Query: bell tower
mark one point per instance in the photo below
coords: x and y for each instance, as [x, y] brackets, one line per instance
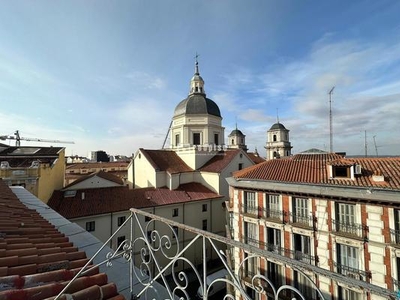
[278, 143]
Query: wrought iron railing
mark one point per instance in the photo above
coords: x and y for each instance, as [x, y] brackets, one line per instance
[395, 284]
[301, 219]
[353, 229]
[160, 257]
[293, 254]
[273, 214]
[250, 209]
[352, 272]
[395, 236]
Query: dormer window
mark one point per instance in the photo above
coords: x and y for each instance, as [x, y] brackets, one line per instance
[341, 171]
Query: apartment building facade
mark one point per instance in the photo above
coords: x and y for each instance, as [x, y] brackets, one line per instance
[338, 216]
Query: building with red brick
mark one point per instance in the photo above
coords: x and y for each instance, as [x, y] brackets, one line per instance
[338, 216]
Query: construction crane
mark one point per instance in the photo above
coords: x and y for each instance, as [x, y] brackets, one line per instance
[18, 139]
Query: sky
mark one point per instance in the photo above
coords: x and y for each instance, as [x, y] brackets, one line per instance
[109, 74]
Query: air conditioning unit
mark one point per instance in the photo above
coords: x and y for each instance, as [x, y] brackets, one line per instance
[357, 169]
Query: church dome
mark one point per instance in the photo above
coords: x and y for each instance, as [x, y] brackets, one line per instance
[197, 104]
[277, 126]
[236, 132]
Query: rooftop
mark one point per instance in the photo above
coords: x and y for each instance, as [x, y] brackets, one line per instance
[313, 169]
[166, 160]
[37, 260]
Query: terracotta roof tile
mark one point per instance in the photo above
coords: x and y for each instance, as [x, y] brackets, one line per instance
[220, 161]
[102, 174]
[114, 199]
[255, 157]
[313, 169]
[166, 160]
[37, 261]
[98, 165]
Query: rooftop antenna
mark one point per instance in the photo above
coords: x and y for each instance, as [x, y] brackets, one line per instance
[365, 143]
[376, 147]
[330, 121]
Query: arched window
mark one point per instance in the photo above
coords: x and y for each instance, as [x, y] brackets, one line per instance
[274, 138]
[233, 141]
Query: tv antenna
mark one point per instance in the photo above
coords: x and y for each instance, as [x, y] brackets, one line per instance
[330, 121]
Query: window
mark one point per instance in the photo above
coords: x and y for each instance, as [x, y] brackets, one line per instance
[345, 219]
[250, 233]
[205, 225]
[339, 171]
[149, 235]
[196, 138]
[204, 207]
[240, 166]
[274, 138]
[177, 142]
[232, 142]
[274, 239]
[346, 294]
[274, 273]
[120, 240]
[176, 231]
[300, 211]
[302, 250]
[90, 226]
[347, 258]
[121, 220]
[250, 266]
[395, 233]
[303, 285]
[216, 139]
[175, 212]
[273, 206]
[250, 206]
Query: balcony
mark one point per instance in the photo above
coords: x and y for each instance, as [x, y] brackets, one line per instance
[395, 284]
[250, 210]
[350, 229]
[302, 220]
[395, 236]
[352, 272]
[162, 256]
[273, 215]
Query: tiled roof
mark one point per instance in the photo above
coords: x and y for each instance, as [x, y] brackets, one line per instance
[95, 165]
[105, 175]
[37, 261]
[255, 157]
[220, 161]
[115, 199]
[166, 160]
[313, 168]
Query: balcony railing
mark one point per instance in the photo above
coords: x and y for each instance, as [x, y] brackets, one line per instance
[352, 229]
[352, 272]
[153, 259]
[273, 214]
[302, 220]
[395, 284]
[395, 236]
[250, 209]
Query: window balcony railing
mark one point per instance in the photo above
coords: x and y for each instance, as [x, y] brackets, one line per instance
[395, 236]
[352, 229]
[302, 220]
[251, 241]
[352, 272]
[273, 214]
[250, 209]
[162, 265]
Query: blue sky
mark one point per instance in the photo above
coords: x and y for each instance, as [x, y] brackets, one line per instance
[108, 74]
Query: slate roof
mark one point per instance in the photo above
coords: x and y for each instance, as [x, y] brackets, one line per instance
[277, 126]
[313, 169]
[220, 161]
[166, 160]
[197, 104]
[37, 261]
[115, 199]
[105, 175]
